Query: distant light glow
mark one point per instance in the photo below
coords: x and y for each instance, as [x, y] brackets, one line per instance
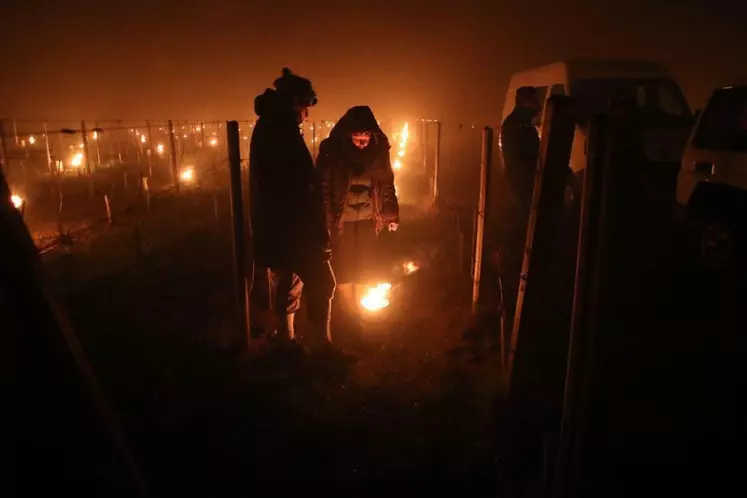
[32, 139]
[213, 142]
[397, 164]
[143, 139]
[159, 148]
[17, 201]
[187, 175]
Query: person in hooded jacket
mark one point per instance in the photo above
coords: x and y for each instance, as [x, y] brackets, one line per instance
[290, 236]
[358, 193]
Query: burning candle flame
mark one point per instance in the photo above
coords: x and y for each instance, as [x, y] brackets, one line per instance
[377, 298]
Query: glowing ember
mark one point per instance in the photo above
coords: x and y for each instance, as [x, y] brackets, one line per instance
[17, 201]
[77, 160]
[187, 175]
[410, 267]
[377, 298]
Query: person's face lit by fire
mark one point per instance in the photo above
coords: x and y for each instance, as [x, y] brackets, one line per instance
[361, 139]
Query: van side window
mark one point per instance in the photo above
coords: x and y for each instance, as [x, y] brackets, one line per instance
[557, 89]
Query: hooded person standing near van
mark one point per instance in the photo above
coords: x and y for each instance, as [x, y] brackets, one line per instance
[358, 192]
[520, 146]
[290, 234]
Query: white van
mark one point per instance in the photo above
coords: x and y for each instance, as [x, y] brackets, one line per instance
[712, 183]
[593, 83]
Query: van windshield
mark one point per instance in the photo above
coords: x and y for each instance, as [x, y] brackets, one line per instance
[723, 125]
[655, 97]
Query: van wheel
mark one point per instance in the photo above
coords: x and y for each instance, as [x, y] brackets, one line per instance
[718, 246]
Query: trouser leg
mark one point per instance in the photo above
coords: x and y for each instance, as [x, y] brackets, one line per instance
[319, 281]
[288, 288]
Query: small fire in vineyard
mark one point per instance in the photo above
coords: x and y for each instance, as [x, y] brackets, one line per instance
[377, 297]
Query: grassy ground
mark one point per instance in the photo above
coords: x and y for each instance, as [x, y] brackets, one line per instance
[204, 421]
[154, 309]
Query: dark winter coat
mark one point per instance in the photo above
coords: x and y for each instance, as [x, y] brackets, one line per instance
[286, 206]
[339, 161]
[520, 147]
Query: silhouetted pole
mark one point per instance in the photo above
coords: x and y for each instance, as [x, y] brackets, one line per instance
[172, 153]
[51, 334]
[241, 274]
[486, 166]
[313, 139]
[48, 148]
[424, 143]
[87, 158]
[151, 150]
[4, 151]
[97, 138]
[437, 163]
[584, 321]
[84, 136]
[540, 256]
